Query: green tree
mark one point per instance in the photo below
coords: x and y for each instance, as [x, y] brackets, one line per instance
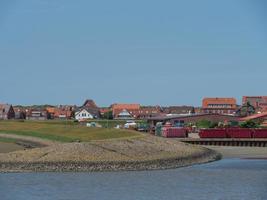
[108, 115]
[203, 124]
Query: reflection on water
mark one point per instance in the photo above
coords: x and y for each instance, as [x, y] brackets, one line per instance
[226, 179]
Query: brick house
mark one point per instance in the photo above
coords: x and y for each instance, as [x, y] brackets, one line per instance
[119, 111]
[258, 102]
[6, 111]
[89, 110]
[219, 105]
[36, 114]
[149, 111]
[61, 112]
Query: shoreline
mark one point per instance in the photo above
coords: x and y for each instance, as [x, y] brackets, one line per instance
[240, 152]
[108, 166]
[136, 154]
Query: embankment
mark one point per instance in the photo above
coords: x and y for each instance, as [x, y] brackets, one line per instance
[144, 153]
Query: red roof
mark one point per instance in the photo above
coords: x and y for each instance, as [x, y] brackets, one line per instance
[256, 116]
[126, 106]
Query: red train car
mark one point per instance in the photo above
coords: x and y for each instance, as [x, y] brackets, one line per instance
[260, 133]
[212, 133]
[239, 133]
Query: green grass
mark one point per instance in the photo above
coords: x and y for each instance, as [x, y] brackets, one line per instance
[63, 131]
[112, 123]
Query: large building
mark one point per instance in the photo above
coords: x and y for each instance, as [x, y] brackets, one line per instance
[219, 105]
[258, 102]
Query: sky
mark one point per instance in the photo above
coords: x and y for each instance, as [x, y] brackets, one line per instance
[171, 52]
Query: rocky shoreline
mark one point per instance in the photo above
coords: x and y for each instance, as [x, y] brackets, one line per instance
[148, 153]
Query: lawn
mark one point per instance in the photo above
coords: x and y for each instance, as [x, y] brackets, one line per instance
[64, 131]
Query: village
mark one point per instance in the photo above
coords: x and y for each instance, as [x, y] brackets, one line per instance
[214, 113]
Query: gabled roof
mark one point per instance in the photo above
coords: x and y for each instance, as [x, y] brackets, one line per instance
[94, 112]
[90, 103]
[124, 113]
[5, 107]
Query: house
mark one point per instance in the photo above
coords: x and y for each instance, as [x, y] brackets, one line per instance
[219, 105]
[20, 113]
[6, 111]
[181, 110]
[37, 114]
[149, 111]
[89, 103]
[119, 111]
[86, 113]
[60, 112]
[258, 102]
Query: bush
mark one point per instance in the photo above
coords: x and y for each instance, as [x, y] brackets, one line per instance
[203, 124]
[249, 124]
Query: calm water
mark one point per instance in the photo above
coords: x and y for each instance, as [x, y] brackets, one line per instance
[227, 179]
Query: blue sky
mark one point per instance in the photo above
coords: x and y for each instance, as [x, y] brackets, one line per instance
[151, 52]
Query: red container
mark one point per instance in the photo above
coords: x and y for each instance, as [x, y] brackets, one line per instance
[170, 132]
[260, 133]
[212, 133]
[239, 132]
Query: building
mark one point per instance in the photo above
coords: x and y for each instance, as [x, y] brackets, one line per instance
[61, 112]
[219, 105]
[89, 103]
[6, 111]
[258, 102]
[37, 114]
[85, 113]
[149, 111]
[192, 118]
[181, 110]
[20, 112]
[119, 111]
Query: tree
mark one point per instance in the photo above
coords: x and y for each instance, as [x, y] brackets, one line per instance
[108, 115]
[203, 124]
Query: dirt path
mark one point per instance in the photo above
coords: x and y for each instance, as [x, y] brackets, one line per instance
[36, 141]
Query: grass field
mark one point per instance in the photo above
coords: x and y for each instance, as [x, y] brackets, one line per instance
[63, 131]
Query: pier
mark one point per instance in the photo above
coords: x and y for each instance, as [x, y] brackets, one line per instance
[248, 142]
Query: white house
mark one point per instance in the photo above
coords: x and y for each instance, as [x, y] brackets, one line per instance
[83, 115]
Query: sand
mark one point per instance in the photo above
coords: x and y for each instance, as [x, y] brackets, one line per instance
[6, 147]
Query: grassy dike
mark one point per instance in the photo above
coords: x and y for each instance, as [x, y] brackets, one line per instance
[62, 131]
[97, 150]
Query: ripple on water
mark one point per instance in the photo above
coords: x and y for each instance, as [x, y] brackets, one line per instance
[225, 179]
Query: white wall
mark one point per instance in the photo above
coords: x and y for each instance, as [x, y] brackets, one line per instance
[83, 115]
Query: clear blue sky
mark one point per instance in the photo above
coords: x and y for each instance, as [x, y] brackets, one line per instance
[151, 52]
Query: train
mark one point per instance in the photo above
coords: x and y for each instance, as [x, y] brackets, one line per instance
[233, 133]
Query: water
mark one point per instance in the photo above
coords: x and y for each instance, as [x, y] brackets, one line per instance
[226, 179]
